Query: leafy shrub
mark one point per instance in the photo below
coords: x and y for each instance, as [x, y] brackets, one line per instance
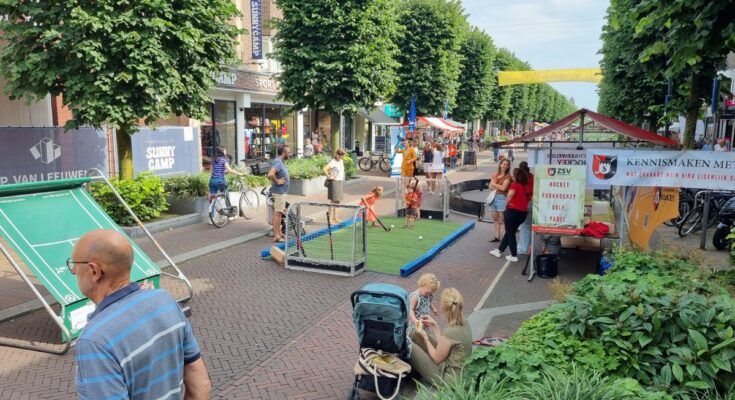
[350, 167]
[731, 238]
[655, 317]
[187, 186]
[550, 384]
[145, 195]
[309, 168]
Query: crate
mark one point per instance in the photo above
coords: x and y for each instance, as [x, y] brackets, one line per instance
[260, 168]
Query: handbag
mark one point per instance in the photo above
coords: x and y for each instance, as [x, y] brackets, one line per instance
[491, 197]
[327, 182]
[418, 165]
[383, 365]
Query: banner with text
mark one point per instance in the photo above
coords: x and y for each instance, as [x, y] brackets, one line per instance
[563, 156]
[690, 169]
[558, 201]
[256, 29]
[44, 154]
[646, 208]
[166, 151]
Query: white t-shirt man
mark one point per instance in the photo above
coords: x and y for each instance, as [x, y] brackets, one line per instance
[720, 147]
[336, 169]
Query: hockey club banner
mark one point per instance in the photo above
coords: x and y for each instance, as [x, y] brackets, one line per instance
[690, 169]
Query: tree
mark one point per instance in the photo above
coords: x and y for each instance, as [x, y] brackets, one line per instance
[500, 101]
[476, 79]
[337, 56]
[429, 54]
[117, 62]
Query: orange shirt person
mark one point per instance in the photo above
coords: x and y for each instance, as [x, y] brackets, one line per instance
[369, 202]
[409, 156]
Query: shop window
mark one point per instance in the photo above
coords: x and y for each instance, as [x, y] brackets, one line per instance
[267, 126]
[225, 130]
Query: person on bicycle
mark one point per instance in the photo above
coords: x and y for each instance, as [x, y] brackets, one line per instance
[220, 167]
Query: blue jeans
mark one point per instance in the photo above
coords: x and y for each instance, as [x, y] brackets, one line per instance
[217, 184]
[525, 232]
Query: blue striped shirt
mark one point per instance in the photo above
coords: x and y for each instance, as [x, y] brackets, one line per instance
[135, 346]
[218, 167]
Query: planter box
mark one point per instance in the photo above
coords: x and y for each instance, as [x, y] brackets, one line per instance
[305, 187]
[182, 206]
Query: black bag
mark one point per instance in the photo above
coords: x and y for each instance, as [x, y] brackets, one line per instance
[327, 182]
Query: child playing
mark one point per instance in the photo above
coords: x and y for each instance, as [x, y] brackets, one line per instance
[421, 302]
[411, 207]
[419, 198]
[369, 203]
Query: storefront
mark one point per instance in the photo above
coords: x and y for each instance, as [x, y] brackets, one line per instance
[248, 121]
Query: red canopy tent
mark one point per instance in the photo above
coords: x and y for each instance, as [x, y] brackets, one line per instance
[436, 122]
[613, 124]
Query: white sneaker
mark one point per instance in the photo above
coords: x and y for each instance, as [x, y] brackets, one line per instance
[496, 253]
[511, 258]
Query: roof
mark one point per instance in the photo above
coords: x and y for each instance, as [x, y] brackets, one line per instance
[436, 122]
[378, 117]
[613, 124]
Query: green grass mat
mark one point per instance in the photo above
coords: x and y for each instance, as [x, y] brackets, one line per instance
[388, 252]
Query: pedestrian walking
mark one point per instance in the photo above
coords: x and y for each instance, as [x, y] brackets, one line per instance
[278, 175]
[335, 172]
[137, 344]
[515, 214]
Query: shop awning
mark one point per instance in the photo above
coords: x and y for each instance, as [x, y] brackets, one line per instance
[436, 122]
[613, 124]
[378, 117]
[455, 124]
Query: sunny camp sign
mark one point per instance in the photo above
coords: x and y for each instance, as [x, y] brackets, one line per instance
[558, 201]
[691, 169]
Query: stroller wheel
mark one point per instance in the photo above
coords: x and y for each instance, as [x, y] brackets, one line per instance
[354, 394]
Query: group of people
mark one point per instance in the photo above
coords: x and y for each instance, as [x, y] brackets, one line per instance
[511, 208]
[721, 145]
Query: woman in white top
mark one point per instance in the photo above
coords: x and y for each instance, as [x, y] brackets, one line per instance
[437, 167]
[335, 172]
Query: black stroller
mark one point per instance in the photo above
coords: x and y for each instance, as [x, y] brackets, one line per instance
[380, 314]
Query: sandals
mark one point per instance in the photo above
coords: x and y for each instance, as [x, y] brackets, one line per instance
[493, 240]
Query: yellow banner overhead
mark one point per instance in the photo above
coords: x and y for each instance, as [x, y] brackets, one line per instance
[506, 78]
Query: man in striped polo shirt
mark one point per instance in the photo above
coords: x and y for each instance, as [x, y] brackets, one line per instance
[137, 343]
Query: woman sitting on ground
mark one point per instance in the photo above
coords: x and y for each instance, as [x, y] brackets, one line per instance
[436, 358]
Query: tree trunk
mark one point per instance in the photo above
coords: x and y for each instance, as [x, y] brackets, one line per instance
[124, 154]
[693, 105]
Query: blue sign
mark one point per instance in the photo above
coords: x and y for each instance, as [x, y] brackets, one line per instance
[167, 151]
[256, 28]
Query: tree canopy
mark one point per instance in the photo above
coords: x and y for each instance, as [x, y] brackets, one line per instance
[337, 56]
[117, 62]
[430, 54]
[476, 79]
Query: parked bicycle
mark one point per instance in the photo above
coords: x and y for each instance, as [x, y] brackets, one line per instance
[692, 222]
[686, 203]
[221, 211]
[367, 163]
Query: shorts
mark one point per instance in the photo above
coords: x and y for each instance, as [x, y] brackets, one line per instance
[411, 212]
[335, 191]
[217, 185]
[279, 202]
[498, 204]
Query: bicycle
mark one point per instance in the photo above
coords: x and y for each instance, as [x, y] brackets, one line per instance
[367, 163]
[686, 203]
[221, 210]
[692, 222]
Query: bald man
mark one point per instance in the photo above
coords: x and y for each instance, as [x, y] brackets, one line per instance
[721, 145]
[137, 344]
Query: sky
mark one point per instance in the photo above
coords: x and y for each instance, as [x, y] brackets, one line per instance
[548, 34]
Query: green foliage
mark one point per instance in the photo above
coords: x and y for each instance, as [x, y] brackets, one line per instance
[476, 80]
[429, 54]
[350, 167]
[655, 317]
[116, 62]
[145, 195]
[551, 383]
[337, 55]
[187, 186]
[306, 168]
[731, 238]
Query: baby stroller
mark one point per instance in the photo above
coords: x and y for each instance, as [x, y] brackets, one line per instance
[269, 215]
[380, 314]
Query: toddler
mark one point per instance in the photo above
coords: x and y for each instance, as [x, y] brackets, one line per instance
[421, 302]
[411, 207]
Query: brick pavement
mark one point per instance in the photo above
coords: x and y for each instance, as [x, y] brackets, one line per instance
[265, 332]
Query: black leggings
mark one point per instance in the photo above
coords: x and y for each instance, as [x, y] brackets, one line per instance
[513, 219]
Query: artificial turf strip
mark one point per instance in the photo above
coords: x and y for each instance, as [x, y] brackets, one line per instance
[388, 252]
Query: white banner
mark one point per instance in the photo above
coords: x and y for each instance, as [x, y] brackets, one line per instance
[690, 169]
[568, 156]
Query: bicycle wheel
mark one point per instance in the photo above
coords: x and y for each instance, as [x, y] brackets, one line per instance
[691, 223]
[384, 164]
[365, 163]
[218, 211]
[249, 203]
[684, 208]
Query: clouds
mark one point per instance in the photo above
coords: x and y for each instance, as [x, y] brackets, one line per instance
[548, 34]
